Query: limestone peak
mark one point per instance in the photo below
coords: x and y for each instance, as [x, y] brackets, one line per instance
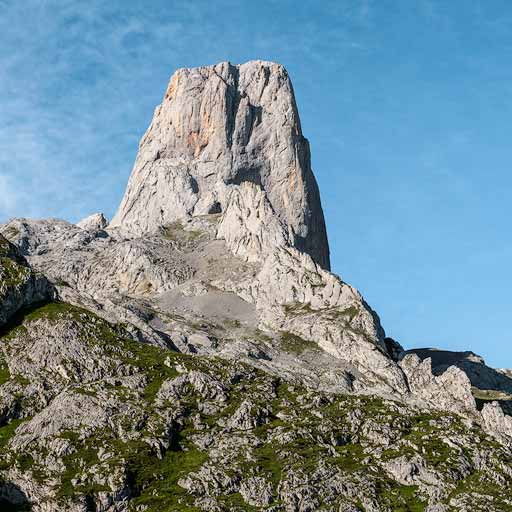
[216, 128]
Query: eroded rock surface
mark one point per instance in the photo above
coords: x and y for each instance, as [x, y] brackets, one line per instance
[95, 222]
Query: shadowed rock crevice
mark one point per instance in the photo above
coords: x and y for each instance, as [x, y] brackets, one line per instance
[246, 174]
[20, 286]
[17, 318]
[232, 98]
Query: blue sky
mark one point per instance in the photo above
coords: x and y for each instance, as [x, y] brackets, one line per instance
[407, 105]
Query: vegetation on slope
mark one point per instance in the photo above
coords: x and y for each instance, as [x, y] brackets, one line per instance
[177, 432]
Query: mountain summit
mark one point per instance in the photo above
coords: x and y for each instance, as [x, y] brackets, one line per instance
[217, 129]
[196, 354]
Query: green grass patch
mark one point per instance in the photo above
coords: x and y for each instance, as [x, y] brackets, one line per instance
[350, 457]
[12, 274]
[7, 431]
[176, 232]
[156, 480]
[236, 502]
[151, 360]
[295, 344]
[268, 460]
[347, 314]
[480, 482]
[490, 394]
[4, 373]
[400, 498]
[298, 308]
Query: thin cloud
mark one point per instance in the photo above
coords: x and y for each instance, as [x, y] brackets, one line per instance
[79, 84]
[9, 196]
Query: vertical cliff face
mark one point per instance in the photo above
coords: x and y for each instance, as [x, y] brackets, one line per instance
[217, 128]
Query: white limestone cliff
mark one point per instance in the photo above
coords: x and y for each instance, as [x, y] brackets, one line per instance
[222, 222]
[217, 128]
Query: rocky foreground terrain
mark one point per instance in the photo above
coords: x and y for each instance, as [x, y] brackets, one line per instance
[196, 353]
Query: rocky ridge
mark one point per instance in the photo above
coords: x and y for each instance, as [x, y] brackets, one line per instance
[197, 354]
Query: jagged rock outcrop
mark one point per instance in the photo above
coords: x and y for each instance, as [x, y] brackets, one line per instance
[450, 391]
[217, 128]
[249, 224]
[94, 222]
[481, 376]
[496, 422]
[184, 271]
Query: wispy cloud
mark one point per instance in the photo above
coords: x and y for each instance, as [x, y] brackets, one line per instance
[9, 195]
[73, 84]
[79, 83]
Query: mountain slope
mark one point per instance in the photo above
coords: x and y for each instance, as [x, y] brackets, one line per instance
[197, 354]
[106, 423]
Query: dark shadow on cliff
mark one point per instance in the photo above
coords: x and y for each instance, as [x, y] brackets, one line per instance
[13, 499]
[17, 319]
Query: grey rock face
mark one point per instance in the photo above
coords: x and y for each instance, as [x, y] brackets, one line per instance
[413, 471]
[20, 286]
[480, 375]
[496, 422]
[249, 224]
[185, 271]
[217, 128]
